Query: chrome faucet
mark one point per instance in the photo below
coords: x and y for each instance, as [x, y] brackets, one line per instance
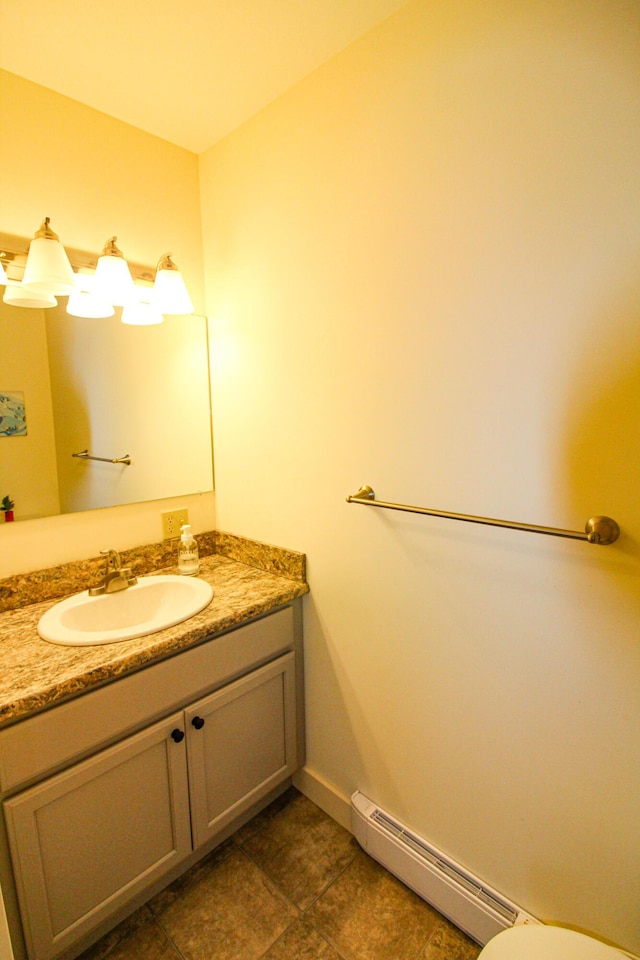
[116, 576]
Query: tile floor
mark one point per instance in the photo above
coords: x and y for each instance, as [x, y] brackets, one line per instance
[290, 885]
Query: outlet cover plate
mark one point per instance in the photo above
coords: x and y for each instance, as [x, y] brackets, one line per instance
[172, 520]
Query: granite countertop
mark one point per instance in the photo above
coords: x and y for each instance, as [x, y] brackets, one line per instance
[37, 674]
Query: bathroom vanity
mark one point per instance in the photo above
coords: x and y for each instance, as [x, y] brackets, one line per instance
[147, 754]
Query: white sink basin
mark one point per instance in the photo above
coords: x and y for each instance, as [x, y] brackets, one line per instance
[152, 604]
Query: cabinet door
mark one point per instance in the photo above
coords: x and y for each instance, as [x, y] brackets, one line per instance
[87, 840]
[241, 744]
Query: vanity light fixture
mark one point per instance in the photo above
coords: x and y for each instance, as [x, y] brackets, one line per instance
[169, 291]
[36, 272]
[48, 268]
[114, 282]
[20, 295]
[141, 314]
[141, 310]
[84, 302]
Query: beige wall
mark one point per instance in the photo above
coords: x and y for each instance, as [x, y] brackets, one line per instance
[95, 176]
[423, 269]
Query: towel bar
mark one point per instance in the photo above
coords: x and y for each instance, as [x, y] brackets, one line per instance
[600, 530]
[85, 455]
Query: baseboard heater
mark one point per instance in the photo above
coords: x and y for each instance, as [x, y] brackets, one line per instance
[468, 902]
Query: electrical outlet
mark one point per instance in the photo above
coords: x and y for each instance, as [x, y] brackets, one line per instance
[172, 520]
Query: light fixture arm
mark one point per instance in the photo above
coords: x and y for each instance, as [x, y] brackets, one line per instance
[45, 232]
[166, 263]
[110, 249]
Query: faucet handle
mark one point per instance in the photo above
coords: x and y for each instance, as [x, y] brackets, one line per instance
[127, 574]
[113, 559]
[116, 576]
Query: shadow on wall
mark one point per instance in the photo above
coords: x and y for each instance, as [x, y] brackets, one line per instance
[339, 714]
[602, 437]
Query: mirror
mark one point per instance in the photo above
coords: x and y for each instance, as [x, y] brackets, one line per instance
[112, 390]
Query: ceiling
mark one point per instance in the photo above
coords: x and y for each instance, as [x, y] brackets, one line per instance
[189, 71]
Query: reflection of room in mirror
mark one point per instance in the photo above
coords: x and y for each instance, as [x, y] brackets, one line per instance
[107, 387]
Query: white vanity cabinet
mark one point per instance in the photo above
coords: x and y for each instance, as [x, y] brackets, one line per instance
[134, 804]
[83, 840]
[241, 742]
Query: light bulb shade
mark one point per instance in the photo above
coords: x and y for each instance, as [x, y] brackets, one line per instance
[86, 279]
[170, 293]
[3, 275]
[83, 303]
[113, 280]
[48, 268]
[19, 295]
[139, 313]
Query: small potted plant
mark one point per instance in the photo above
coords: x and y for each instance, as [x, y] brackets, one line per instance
[7, 506]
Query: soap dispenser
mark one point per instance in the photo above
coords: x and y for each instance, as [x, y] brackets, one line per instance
[188, 560]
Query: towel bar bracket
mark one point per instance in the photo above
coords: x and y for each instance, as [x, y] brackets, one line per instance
[599, 530]
[602, 530]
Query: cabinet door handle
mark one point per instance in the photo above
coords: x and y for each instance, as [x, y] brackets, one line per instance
[177, 735]
[198, 723]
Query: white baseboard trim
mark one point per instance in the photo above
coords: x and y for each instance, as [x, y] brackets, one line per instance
[338, 806]
[325, 795]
